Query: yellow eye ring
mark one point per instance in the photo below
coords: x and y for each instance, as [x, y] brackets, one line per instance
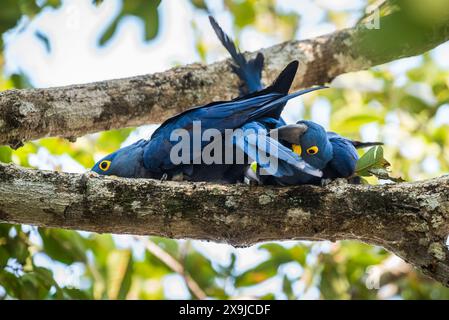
[104, 165]
[312, 150]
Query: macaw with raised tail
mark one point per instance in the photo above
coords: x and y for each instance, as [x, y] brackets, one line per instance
[153, 158]
[257, 144]
[335, 155]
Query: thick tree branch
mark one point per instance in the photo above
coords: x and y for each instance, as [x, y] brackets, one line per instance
[73, 111]
[409, 219]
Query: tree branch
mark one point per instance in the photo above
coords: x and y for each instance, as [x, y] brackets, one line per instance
[409, 219]
[73, 111]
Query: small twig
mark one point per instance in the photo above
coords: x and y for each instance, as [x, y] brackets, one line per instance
[173, 264]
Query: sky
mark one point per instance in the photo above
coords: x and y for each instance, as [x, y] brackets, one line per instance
[75, 58]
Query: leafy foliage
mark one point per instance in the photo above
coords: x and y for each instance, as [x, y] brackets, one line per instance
[373, 163]
[145, 10]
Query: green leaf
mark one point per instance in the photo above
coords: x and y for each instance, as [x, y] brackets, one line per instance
[361, 119]
[372, 159]
[5, 154]
[53, 3]
[29, 7]
[283, 254]
[109, 141]
[146, 10]
[100, 245]
[267, 269]
[4, 257]
[45, 277]
[201, 270]
[373, 163]
[20, 80]
[36, 284]
[119, 274]
[97, 2]
[63, 246]
[287, 288]
[168, 245]
[268, 296]
[22, 153]
[148, 269]
[243, 11]
[10, 283]
[9, 16]
[76, 294]
[18, 247]
[258, 274]
[200, 4]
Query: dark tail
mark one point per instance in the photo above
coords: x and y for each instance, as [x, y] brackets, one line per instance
[282, 85]
[285, 79]
[274, 108]
[250, 72]
[359, 144]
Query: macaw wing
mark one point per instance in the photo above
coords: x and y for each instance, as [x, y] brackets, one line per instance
[241, 107]
[218, 115]
[274, 158]
[344, 159]
[228, 115]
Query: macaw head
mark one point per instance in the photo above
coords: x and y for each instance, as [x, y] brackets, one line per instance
[125, 162]
[307, 139]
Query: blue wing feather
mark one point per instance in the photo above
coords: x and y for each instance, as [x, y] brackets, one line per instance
[264, 150]
[344, 160]
[249, 71]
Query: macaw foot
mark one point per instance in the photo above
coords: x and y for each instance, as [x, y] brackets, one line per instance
[91, 174]
[178, 177]
[164, 177]
[251, 177]
[355, 180]
[250, 182]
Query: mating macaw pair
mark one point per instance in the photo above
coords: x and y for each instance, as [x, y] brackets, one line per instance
[303, 153]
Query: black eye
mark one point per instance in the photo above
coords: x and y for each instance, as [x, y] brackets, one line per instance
[104, 165]
[312, 150]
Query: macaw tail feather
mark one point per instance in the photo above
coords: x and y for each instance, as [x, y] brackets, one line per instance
[285, 79]
[359, 144]
[271, 109]
[250, 72]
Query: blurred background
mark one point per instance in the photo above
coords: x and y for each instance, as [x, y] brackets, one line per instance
[47, 43]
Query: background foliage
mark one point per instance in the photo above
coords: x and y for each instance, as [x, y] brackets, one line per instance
[410, 113]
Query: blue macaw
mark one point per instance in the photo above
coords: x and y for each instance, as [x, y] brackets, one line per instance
[288, 162]
[151, 158]
[335, 155]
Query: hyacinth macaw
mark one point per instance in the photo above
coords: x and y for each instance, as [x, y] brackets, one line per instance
[152, 158]
[335, 155]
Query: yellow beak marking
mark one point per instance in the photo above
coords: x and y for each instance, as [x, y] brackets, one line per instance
[297, 149]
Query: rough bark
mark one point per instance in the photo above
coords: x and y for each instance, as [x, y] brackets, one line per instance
[76, 110]
[409, 219]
